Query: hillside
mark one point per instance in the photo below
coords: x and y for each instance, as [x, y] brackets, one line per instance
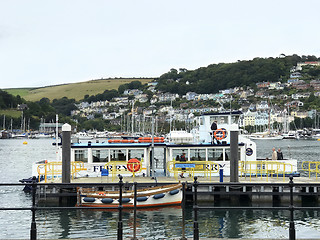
[73, 90]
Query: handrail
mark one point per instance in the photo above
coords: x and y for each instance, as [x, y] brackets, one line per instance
[291, 185]
[54, 170]
[313, 167]
[264, 168]
[207, 168]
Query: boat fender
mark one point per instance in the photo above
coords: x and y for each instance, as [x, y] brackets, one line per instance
[141, 199]
[173, 192]
[124, 200]
[106, 200]
[158, 196]
[89, 199]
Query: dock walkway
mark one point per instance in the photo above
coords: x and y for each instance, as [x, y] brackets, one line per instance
[190, 180]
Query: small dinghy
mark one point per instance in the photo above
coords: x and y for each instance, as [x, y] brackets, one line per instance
[160, 196]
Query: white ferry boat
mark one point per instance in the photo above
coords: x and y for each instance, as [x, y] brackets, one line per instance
[207, 153]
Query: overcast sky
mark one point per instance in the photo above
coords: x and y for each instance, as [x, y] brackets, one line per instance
[63, 41]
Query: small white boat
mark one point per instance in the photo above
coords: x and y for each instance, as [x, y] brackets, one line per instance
[315, 133]
[290, 135]
[160, 196]
[265, 136]
[83, 136]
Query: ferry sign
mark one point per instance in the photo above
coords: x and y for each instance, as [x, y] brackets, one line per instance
[185, 165]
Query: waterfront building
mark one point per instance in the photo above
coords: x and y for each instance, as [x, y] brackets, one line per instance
[249, 118]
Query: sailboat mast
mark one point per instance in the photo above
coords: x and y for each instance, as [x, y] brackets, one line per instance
[269, 117]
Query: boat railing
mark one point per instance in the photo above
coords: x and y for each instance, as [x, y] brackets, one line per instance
[52, 170]
[114, 168]
[311, 167]
[205, 168]
[264, 169]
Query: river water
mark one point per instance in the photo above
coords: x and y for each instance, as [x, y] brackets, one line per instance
[16, 159]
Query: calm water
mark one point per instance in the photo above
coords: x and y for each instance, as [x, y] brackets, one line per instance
[15, 163]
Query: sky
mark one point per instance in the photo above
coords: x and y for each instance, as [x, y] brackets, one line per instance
[45, 43]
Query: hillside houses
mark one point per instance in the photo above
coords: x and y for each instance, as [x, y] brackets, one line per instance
[256, 112]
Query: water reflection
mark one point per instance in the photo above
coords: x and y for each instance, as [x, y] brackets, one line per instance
[166, 223]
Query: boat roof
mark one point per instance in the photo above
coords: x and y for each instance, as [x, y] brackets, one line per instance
[145, 145]
[114, 145]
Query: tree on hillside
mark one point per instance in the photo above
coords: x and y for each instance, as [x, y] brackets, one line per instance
[9, 101]
[64, 105]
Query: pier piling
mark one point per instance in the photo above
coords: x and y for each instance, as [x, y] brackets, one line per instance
[66, 153]
[234, 158]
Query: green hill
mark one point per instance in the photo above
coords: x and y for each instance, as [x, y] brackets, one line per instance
[73, 90]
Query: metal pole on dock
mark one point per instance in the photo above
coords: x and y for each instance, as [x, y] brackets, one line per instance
[183, 205]
[135, 212]
[234, 149]
[120, 232]
[152, 147]
[33, 230]
[292, 231]
[66, 153]
[195, 210]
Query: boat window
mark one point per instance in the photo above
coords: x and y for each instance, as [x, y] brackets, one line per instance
[213, 118]
[235, 119]
[227, 154]
[100, 155]
[118, 155]
[81, 155]
[201, 121]
[136, 153]
[215, 154]
[178, 152]
[223, 120]
[197, 154]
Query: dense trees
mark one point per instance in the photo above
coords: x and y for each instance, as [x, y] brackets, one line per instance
[8, 101]
[215, 77]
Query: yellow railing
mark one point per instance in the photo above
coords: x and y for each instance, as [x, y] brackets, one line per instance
[311, 167]
[53, 170]
[121, 167]
[264, 169]
[207, 168]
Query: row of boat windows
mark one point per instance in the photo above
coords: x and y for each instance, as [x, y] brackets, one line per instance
[220, 119]
[105, 154]
[216, 154]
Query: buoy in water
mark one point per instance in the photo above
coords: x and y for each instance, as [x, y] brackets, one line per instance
[25, 142]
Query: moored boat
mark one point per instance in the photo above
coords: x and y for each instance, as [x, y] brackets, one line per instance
[206, 155]
[159, 196]
[265, 136]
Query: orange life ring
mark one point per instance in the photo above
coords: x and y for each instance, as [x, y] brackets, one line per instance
[133, 165]
[219, 134]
